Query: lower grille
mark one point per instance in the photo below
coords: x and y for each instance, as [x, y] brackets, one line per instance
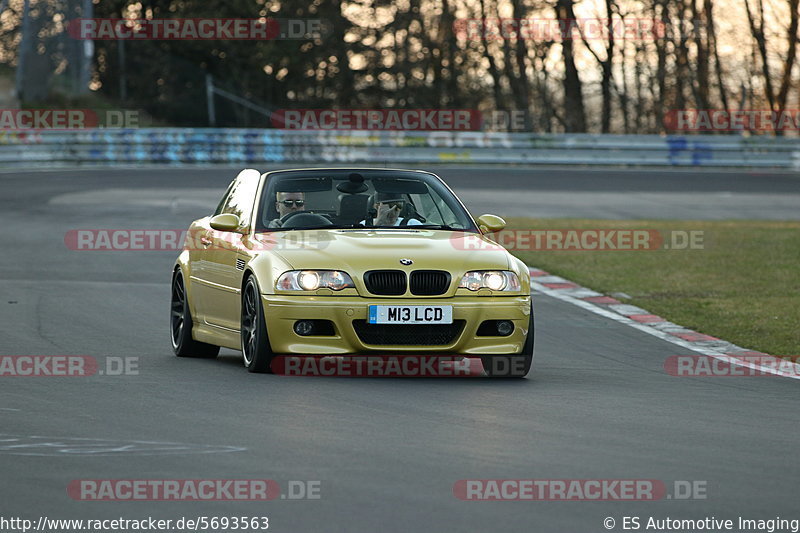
[408, 334]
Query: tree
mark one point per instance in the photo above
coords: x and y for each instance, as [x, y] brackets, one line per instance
[574, 114]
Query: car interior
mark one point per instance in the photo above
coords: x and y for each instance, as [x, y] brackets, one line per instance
[353, 206]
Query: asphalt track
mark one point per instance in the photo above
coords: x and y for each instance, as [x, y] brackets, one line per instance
[387, 451]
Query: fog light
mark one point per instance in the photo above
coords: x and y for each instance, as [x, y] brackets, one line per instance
[304, 327]
[504, 327]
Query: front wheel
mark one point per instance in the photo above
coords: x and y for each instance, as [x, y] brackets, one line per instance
[256, 349]
[181, 324]
[512, 366]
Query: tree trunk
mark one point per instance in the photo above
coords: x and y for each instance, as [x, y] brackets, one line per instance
[712, 35]
[791, 36]
[522, 66]
[607, 67]
[702, 59]
[574, 114]
[757, 29]
[494, 73]
[661, 68]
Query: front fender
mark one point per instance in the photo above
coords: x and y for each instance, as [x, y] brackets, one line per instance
[522, 271]
[266, 268]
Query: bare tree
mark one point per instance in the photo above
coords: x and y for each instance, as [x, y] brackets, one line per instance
[658, 90]
[708, 8]
[700, 87]
[791, 55]
[574, 113]
[757, 29]
[520, 55]
[606, 65]
[494, 73]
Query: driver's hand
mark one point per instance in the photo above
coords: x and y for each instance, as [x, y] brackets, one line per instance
[388, 217]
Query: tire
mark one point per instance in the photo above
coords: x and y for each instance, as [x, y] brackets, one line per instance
[256, 349]
[181, 324]
[512, 366]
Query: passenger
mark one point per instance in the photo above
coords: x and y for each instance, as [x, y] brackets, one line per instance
[388, 207]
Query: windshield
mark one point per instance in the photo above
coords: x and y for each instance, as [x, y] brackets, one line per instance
[307, 199]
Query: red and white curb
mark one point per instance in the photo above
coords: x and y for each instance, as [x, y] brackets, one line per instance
[636, 317]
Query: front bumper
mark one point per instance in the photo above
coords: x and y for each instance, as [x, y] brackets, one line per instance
[282, 312]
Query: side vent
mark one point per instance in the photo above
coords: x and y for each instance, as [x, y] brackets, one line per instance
[240, 264]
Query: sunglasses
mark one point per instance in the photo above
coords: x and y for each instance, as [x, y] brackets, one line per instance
[394, 203]
[298, 203]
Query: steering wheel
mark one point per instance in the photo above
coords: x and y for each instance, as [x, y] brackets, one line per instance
[309, 219]
[287, 216]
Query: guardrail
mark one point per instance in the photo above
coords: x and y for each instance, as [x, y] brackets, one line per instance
[242, 146]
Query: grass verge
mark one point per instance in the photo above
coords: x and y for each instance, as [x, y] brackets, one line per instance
[742, 286]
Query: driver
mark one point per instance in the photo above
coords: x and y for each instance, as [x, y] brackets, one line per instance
[285, 203]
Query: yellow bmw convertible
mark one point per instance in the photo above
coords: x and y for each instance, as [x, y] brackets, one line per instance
[349, 262]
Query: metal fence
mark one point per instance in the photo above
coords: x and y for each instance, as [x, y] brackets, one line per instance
[240, 146]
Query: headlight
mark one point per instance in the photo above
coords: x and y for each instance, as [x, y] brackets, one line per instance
[311, 280]
[308, 280]
[496, 280]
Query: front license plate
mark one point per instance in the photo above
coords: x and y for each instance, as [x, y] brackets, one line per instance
[410, 314]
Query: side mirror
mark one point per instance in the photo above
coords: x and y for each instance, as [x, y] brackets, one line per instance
[225, 222]
[490, 223]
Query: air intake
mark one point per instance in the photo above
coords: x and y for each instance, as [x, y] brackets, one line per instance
[408, 334]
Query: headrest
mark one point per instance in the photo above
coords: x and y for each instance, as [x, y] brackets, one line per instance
[354, 184]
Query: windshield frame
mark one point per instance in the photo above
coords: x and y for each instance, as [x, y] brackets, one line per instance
[433, 181]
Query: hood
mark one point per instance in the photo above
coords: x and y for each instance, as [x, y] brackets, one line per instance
[358, 250]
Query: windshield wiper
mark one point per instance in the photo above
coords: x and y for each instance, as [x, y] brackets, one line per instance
[332, 226]
[271, 230]
[436, 226]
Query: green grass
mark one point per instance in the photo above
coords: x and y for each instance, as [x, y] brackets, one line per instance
[743, 286]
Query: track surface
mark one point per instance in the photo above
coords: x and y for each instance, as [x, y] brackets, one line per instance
[387, 451]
